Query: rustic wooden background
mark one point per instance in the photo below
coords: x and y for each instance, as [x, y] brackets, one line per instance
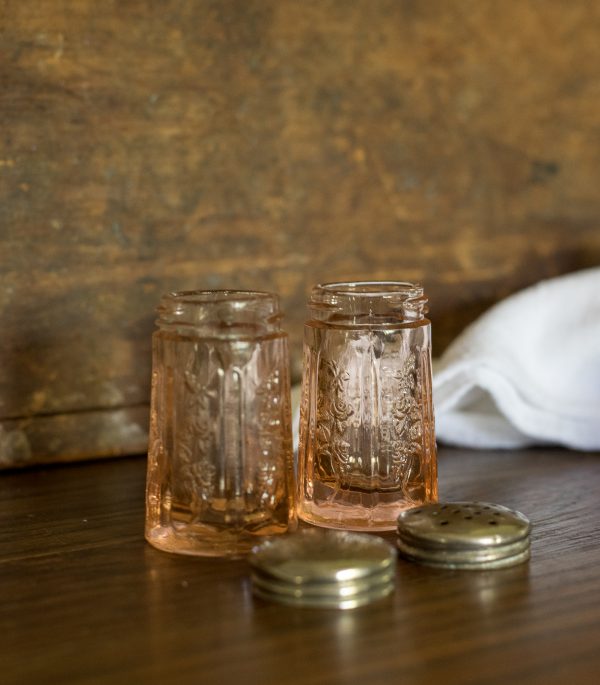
[150, 146]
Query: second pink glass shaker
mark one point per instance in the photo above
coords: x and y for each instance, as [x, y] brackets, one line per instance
[367, 446]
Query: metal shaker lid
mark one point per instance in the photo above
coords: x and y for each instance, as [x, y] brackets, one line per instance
[315, 555]
[323, 568]
[464, 535]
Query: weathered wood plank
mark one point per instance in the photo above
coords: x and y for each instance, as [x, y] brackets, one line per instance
[73, 436]
[272, 144]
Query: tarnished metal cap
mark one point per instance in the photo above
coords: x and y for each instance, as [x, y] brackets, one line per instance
[465, 535]
[323, 568]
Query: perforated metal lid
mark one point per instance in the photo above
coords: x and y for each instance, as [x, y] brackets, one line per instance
[464, 535]
[323, 568]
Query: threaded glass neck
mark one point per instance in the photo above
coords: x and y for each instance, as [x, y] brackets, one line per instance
[356, 303]
[220, 313]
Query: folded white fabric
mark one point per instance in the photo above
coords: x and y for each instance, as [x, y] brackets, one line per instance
[527, 371]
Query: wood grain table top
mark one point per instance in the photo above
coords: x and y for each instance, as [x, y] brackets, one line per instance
[87, 600]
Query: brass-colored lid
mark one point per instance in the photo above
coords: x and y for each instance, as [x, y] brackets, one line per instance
[342, 590]
[446, 561]
[323, 569]
[465, 535]
[316, 555]
[312, 602]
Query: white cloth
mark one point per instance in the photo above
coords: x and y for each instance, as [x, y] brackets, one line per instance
[527, 371]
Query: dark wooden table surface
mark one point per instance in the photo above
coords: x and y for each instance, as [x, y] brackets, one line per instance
[86, 600]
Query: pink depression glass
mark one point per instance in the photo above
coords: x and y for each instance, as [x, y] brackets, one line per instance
[220, 469]
[367, 446]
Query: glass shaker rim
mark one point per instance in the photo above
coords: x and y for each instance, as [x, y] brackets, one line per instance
[210, 296]
[370, 289]
[366, 303]
[220, 312]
